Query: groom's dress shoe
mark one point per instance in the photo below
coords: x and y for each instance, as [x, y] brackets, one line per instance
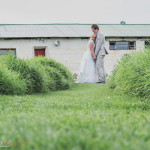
[101, 82]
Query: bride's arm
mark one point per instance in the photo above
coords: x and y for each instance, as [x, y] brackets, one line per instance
[92, 51]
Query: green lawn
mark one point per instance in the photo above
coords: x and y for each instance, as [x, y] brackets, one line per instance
[86, 117]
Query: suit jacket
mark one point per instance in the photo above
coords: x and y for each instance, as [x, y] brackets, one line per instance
[100, 44]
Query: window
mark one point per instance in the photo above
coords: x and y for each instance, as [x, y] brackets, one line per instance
[112, 45]
[131, 45]
[5, 51]
[122, 45]
[39, 52]
[147, 44]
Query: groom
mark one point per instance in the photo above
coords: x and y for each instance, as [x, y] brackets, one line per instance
[100, 53]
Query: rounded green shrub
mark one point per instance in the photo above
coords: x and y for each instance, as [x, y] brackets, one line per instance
[58, 66]
[11, 82]
[38, 74]
[50, 83]
[132, 75]
[30, 72]
[60, 82]
[59, 73]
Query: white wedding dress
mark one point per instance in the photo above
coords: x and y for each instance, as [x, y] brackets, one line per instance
[88, 72]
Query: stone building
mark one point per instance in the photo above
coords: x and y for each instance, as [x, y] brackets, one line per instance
[67, 43]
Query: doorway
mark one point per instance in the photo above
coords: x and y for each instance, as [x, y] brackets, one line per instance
[39, 52]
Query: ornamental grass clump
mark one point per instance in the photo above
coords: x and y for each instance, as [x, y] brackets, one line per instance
[29, 72]
[60, 82]
[132, 74]
[11, 82]
[35, 75]
[49, 81]
[59, 73]
[61, 68]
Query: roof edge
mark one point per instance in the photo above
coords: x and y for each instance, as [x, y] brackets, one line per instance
[72, 24]
[74, 37]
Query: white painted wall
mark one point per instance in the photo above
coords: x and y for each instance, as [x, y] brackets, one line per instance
[69, 52]
[140, 44]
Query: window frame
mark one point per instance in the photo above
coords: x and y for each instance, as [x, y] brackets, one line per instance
[129, 45]
[9, 49]
[147, 46]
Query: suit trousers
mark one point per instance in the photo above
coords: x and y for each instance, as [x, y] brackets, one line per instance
[100, 68]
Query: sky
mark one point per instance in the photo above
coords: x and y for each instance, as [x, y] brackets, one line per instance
[74, 11]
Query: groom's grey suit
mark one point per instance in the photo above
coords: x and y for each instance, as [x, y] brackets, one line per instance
[100, 54]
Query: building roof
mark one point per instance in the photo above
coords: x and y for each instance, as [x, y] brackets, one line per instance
[72, 30]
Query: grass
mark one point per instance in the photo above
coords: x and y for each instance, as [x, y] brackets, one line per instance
[37, 75]
[11, 82]
[132, 75]
[86, 117]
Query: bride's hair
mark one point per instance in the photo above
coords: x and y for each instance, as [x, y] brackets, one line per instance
[93, 35]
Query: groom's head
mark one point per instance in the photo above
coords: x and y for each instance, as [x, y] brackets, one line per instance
[95, 28]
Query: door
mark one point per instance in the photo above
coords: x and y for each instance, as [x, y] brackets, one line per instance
[39, 52]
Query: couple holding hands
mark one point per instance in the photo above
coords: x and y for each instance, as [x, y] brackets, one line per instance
[92, 64]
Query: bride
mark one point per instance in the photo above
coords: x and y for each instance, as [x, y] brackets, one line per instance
[88, 72]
